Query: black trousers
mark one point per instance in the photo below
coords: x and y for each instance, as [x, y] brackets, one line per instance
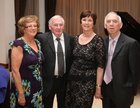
[58, 89]
[109, 101]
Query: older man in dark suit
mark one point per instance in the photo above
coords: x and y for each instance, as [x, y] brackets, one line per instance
[54, 80]
[122, 70]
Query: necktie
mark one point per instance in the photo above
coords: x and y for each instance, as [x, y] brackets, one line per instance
[108, 70]
[60, 57]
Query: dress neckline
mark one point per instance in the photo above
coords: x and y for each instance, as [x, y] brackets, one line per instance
[36, 52]
[87, 42]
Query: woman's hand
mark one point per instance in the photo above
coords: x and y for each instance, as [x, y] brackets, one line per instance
[98, 94]
[21, 99]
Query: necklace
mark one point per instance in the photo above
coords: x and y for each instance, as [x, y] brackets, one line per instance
[28, 42]
[88, 34]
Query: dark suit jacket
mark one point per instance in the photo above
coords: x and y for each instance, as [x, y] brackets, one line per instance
[47, 46]
[125, 67]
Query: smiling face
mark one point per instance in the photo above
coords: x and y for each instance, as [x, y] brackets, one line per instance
[113, 24]
[28, 25]
[87, 23]
[31, 29]
[87, 20]
[56, 25]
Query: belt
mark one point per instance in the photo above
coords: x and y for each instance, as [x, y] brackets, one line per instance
[57, 76]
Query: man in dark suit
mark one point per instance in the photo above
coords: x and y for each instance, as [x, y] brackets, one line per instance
[53, 82]
[123, 65]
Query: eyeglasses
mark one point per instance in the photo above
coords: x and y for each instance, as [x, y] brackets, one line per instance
[31, 26]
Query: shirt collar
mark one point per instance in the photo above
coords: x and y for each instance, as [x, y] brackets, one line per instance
[61, 37]
[116, 38]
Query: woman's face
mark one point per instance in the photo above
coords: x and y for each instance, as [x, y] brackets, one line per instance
[31, 29]
[87, 23]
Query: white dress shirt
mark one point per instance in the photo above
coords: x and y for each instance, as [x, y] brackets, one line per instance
[63, 47]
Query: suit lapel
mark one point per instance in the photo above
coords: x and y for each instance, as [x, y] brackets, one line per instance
[51, 42]
[118, 45]
[66, 40]
[106, 46]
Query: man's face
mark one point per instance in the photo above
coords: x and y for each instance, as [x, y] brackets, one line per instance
[57, 27]
[113, 25]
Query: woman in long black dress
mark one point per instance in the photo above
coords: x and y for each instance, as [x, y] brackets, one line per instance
[26, 59]
[86, 74]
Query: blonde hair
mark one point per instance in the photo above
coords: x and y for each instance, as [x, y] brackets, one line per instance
[27, 19]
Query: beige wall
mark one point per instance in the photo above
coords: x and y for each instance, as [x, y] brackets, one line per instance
[7, 24]
[7, 28]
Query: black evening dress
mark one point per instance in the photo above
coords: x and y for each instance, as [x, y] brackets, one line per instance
[82, 76]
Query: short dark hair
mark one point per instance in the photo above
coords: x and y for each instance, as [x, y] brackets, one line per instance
[88, 13]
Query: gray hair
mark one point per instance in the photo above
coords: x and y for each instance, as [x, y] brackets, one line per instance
[112, 13]
[56, 17]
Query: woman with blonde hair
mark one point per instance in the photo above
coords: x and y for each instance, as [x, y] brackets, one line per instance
[26, 61]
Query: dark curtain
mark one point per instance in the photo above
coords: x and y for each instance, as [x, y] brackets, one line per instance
[20, 6]
[50, 6]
